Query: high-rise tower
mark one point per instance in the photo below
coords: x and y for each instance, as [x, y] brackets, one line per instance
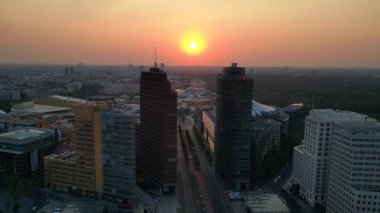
[311, 159]
[233, 127]
[156, 148]
[88, 142]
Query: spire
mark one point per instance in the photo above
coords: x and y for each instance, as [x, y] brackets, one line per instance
[155, 57]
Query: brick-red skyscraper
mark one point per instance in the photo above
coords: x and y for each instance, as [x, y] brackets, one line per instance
[156, 148]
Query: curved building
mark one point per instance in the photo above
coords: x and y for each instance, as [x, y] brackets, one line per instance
[260, 111]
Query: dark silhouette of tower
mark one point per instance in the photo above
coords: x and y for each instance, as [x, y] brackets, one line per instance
[156, 148]
[233, 127]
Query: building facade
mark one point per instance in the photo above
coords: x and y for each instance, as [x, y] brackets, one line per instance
[233, 127]
[88, 147]
[156, 148]
[311, 159]
[208, 129]
[22, 150]
[354, 172]
[84, 168]
[60, 171]
[265, 137]
[119, 152]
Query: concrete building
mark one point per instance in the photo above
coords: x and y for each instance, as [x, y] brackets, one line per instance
[354, 171]
[156, 148]
[86, 167]
[22, 150]
[119, 151]
[88, 147]
[311, 159]
[265, 137]
[233, 127]
[60, 171]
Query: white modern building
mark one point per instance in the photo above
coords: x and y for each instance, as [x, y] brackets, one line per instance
[354, 172]
[311, 159]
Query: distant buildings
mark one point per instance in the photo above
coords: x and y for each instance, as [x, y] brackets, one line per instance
[311, 159]
[354, 171]
[233, 127]
[22, 150]
[156, 149]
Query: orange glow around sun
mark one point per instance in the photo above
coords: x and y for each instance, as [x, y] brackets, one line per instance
[193, 44]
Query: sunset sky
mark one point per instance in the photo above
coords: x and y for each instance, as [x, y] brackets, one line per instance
[323, 33]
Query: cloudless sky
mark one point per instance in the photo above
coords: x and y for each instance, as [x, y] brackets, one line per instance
[321, 33]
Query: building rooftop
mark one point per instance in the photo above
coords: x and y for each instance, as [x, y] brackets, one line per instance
[128, 109]
[70, 99]
[259, 108]
[359, 129]
[261, 126]
[66, 156]
[25, 140]
[293, 107]
[266, 203]
[329, 115]
[23, 136]
[37, 108]
[101, 98]
[84, 207]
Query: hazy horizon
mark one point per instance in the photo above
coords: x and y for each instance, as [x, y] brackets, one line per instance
[296, 33]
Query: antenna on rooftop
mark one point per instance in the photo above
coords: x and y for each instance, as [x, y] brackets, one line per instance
[155, 57]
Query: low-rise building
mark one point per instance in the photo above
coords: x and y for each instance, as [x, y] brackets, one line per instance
[266, 203]
[60, 171]
[22, 150]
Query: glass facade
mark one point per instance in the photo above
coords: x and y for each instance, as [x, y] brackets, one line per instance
[233, 127]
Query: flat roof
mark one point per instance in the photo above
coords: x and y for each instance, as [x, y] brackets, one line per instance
[39, 108]
[84, 207]
[266, 203]
[23, 136]
[25, 140]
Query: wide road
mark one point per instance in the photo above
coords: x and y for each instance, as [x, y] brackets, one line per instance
[188, 194]
[216, 193]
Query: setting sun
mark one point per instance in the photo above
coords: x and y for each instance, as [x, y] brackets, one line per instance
[193, 44]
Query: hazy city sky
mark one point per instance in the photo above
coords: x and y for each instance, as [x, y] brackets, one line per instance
[251, 32]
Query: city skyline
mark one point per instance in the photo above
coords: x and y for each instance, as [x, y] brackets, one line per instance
[255, 33]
